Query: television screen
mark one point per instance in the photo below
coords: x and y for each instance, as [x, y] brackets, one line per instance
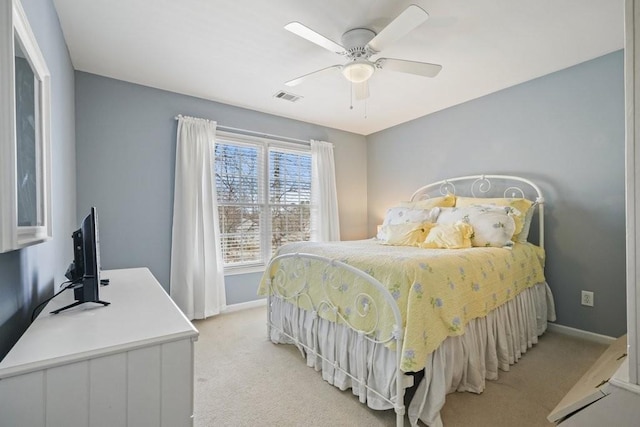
[85, 268]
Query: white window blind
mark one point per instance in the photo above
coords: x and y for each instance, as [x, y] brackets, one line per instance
[264, 198]
[289, 197]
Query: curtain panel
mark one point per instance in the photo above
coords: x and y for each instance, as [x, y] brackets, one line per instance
[197, 275]
[325, 224]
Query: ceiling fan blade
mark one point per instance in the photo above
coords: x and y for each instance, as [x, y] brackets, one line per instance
[314, 37]
[300, 79]
[412, 67]
[361, 90]
[399, 27]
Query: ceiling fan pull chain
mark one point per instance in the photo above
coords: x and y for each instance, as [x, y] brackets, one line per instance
[351, 95]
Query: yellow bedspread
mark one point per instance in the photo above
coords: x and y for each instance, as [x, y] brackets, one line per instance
[438, 291]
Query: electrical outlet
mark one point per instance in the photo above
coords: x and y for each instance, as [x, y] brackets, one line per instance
[587, 298]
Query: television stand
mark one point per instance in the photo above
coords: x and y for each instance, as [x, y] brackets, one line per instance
[78, 303]
[130, 365]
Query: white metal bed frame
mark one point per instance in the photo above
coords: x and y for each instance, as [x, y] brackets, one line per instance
[335, 273]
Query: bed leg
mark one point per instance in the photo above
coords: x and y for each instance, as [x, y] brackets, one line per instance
[269, 315]
[400, 408]
[400, 378]
[400, 417]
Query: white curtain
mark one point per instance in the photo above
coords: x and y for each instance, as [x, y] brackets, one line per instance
[197, 277]
[325, 225]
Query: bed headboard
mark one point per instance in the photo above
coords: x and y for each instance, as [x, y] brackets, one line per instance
[488, 186]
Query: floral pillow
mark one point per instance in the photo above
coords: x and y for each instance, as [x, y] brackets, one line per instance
[403, 215]
[492, 225]
[406, 234]
[523, 206]
[449, 236]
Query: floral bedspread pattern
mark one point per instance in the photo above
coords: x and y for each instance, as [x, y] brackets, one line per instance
[438, 291]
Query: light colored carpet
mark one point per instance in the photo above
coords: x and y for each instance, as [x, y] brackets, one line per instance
[242, 379]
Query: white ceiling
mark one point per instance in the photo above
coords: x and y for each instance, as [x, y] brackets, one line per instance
[237, 52]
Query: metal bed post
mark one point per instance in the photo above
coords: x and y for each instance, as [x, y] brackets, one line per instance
[269, 309]
[399, 406]
[540, 202]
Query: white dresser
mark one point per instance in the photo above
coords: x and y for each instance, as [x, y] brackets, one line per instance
[126, 364]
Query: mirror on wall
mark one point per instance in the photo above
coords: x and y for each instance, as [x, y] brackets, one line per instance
[25, 212]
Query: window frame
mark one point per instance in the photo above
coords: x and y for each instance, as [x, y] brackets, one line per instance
[16, 30]
[265, 145]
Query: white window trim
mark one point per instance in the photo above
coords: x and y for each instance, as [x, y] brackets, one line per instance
[234, 270]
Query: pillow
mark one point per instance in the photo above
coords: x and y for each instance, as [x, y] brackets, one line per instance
[524, 234]
[492, 225]
[447, 201]
[406, 234]
[403, 215]
[449, 236]
[522, 205]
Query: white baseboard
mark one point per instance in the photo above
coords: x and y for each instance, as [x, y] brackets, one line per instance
[590, 336]
[245, 305]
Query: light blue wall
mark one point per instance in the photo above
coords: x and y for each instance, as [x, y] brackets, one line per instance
[566, 132]
[126, 137]
[241, 287]
[28, 276]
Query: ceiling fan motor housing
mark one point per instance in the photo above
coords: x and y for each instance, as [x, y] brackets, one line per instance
[355, 42]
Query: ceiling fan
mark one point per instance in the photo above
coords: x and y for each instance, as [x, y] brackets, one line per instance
[360, 44]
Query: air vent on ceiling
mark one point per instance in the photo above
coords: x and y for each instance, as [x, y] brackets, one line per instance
[287, 96]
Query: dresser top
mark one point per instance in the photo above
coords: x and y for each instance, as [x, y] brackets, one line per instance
[140, 314]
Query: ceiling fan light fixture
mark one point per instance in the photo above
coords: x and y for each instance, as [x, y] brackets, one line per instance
[358, 71]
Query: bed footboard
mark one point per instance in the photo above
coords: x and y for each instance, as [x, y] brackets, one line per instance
[349, 297]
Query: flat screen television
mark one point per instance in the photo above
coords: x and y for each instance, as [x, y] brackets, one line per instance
[84, 271]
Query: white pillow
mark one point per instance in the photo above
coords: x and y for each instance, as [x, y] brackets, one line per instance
[492, 225]
[403, 215]
[520, 204]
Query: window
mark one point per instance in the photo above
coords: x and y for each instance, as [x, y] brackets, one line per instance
[264, 197]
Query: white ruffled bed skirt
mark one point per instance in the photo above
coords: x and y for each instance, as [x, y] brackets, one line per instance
[460, 363]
